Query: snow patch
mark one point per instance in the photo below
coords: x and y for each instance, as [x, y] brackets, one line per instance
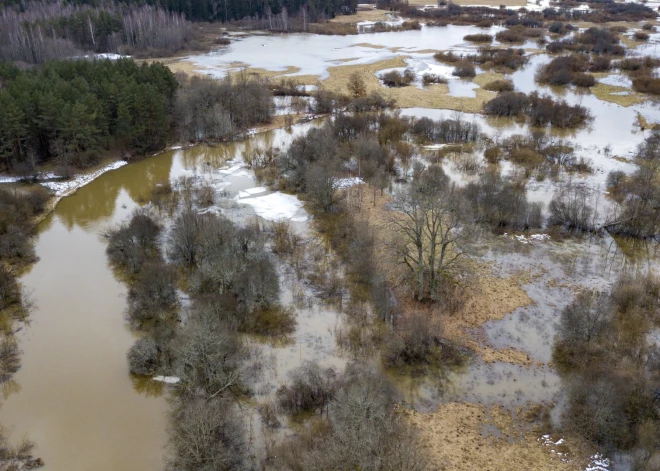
[344, 183]
[276, 206]
[526, 240]
[167, 379]
[598, 463]
[252, 191]
[67, 187]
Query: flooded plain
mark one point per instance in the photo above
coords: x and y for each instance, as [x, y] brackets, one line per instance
[73, 395]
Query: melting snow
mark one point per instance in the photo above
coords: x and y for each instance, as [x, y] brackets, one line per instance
[66, 187]
[167, 379]
[598, 463]
[252, 191]
[276, 206]
[344, 183]
[526, 240]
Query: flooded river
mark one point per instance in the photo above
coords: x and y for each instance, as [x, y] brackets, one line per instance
[73, 395]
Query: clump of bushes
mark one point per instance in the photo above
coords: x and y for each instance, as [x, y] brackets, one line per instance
[464, 69]
[641, 36]
[639, 194]
[502, 203]
[478, 38]
[430, 79]
[594, 40]
[448, 57]
[539, 110]
[310, 389]
[362, 428]
[499, 86]
[415, 340]
[504, 60]
[133, 243]
[610, 395]
[397, 79]
[566, 69]
[510, 36]
[646, 84]
[570, 208]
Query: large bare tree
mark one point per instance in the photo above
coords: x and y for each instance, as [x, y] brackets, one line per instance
[431, 221]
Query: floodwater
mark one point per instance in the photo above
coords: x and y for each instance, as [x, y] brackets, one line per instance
[73, 395]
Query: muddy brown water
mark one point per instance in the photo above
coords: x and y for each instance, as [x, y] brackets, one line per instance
[73, 395]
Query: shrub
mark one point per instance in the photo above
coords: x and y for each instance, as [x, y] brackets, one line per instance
[507, 104]
[499, 86]
[583, 80]
[143, 357]
[310, 388]
[207, 435]
[509, 36]
[464, 69]
[540, 110]
[493, 154]
[478, 38]
[570, 208]
[396, 79]
[131, 245]
[428, 79]
[500, 59]
[416, 340]
[600, 64]
[641, 36]
[449, 57]
[646, 84]
[648, 27]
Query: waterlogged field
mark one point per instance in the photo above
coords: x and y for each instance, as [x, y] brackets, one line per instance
[73, 395]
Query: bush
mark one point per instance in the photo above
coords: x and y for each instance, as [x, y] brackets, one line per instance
[143, 357]
[646, 84]
[493, 154]
[583, 80]
[396, 79]
[570, 209]
[416, 340]
[509, 36]
[464, 69]
[641, 36]
[507, 104]
[504, 60]
[600, 64]
[310, 389]
[131, 244]
[207, 435]
[478, 38]
[152, 297]
[429, 79]
[449, 57]
[499, 86]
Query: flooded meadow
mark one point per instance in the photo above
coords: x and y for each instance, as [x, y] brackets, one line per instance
[74, 396]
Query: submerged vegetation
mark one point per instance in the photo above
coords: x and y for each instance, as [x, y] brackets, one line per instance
[403, 210]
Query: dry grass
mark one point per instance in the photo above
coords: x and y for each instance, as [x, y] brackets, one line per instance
[364, 15]
[629, 42]
[190, 68]
[472, 437]
[435, 96]
[605, 92]
[487, 77]
[488, 297]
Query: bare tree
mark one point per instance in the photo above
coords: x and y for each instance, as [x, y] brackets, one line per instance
[431, 222]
